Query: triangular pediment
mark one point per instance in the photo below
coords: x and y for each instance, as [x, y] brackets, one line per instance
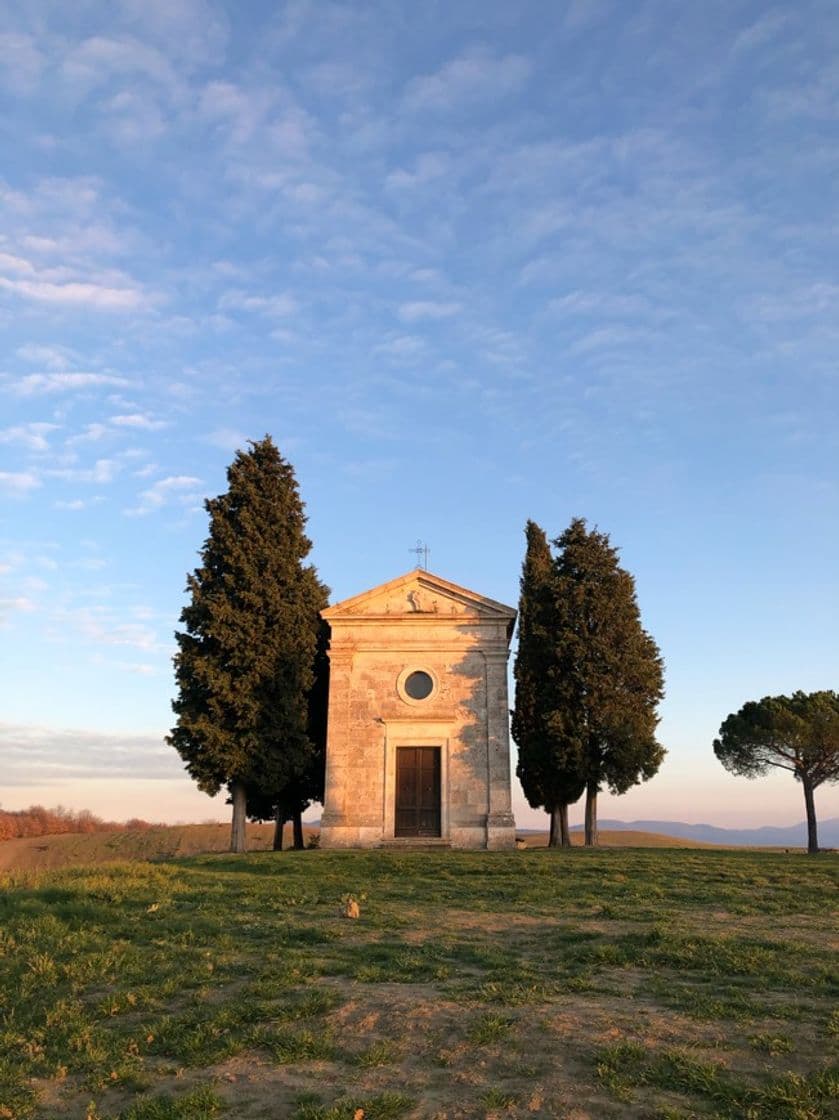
[419, 593]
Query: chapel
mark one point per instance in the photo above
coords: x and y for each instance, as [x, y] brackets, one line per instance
[418, 745]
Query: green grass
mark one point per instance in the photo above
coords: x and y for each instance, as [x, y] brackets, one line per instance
[788, 1096]
[384, 1106]
[629, 983]
[200, 1104]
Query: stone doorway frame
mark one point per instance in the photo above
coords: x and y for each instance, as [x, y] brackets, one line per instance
[413, 733]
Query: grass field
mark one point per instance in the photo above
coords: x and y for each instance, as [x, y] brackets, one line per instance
[585, 985]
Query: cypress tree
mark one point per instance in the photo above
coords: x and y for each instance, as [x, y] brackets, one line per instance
[290, 802]
[609, 673]
[549, 759]
[245, 661]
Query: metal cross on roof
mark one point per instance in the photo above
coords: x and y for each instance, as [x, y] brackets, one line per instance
[422, 553]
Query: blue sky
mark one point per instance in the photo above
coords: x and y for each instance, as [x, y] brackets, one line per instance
[468, 263]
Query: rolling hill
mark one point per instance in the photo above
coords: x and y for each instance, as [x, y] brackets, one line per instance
[769, 836]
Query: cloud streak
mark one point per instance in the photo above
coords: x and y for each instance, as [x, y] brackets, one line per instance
[476, 75]
[180, 490]
[34, 384]
[18, 484]
[32, 436]
[40, 755]
[427, 309]
[77, 294]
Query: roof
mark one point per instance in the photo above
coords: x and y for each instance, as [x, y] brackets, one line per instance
[420, 592]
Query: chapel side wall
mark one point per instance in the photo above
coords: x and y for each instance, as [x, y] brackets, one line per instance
[334, 817]
[484, 749]
[355, 757]
[501, 824]
[467, 792]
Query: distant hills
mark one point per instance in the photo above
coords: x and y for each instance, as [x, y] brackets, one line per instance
[795, 836]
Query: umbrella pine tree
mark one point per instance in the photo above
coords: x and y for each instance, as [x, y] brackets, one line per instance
[798, 733]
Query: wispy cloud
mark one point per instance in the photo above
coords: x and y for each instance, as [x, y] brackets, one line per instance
[416, 310]
[599, 303]
[241, 113]
[228, 439]
[37, 383]
[34, 754]
[96, 60]
[102, 471]
[92, 433]
[32, 436]
[766, 27]
[182, 490]
[279, 305]
[50, 357]
[138, 420]
[18, 604]
[427, 167]
[146, 471]
[401, 347]
[22, 64]
[65, 285]
[194, 32]
[476, 75]
[17, 484]
[99, 626]
[138, 669]
[816, 301]
[71, 504]
[583, 13]
[76, 293]
[59, 244]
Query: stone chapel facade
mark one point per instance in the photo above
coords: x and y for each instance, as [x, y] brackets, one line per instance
[418, 748]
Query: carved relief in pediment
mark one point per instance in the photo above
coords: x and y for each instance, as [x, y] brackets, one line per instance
[418, 595]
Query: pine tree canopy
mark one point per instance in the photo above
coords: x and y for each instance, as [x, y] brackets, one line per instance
[244, 666]
[799, 733]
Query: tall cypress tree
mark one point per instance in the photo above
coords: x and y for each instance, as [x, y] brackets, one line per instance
[609, 673]
[306, 786]
[244, 666]
[549, 759]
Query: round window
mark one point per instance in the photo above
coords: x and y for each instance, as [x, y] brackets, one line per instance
[418, 685]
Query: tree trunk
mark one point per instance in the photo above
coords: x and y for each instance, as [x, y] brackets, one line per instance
[279, 825]
[237, 828]
[553, 835]
[297, 818]
[564, 834]
[810, 803]
[591, 815]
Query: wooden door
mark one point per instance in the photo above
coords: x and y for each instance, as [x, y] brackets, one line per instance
[417, 791]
